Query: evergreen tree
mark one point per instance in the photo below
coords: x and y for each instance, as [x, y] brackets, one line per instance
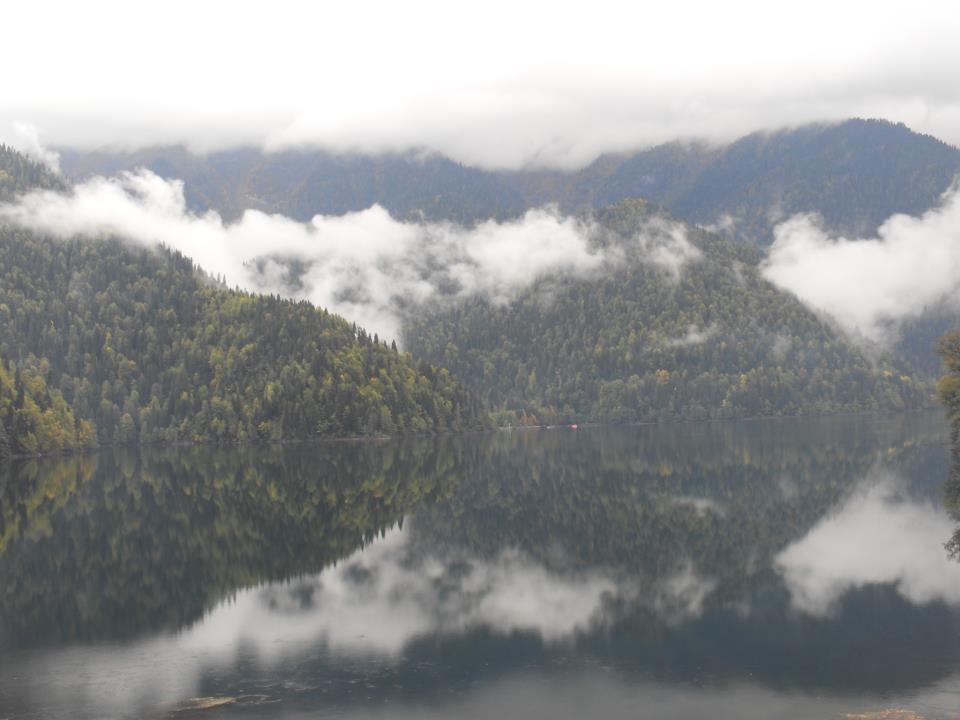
[4, 444]
[117, 344]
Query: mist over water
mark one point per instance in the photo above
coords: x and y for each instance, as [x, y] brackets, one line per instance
[747, 568]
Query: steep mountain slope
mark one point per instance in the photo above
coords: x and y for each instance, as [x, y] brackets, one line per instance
[301, 184]
[144, 345]
[641, 340]
[19, 174]
[856, 174]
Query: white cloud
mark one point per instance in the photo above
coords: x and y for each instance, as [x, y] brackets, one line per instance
[870, 285]
[693, 336]
[680, 598]
[370, 605]
[363, 265]
[26, 138]
[702, 506]
[876, 537]
[376, 601]
[501, 86]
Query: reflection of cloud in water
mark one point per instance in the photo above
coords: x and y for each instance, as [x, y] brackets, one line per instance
[369, 606]
[380, 598]
[877, 537]
[680, 597]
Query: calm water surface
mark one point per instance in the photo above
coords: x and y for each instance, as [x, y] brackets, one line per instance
[791, 569]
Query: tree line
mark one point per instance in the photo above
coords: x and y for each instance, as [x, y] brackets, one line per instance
[636, 342]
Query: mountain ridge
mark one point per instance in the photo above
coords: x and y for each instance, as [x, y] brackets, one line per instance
[855, 174]
[104, 341]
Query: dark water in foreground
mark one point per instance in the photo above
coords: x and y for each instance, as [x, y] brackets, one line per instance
[791, 569]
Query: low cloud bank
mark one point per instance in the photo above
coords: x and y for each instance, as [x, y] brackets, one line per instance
[517, 85]
[871, 285]
[366, 266]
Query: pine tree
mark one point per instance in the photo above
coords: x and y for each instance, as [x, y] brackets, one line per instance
[4, 444]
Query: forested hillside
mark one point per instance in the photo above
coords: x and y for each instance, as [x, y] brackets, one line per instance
[855, 174]
[109, 342]
[102, 341]
[19, 174]
[637, 342]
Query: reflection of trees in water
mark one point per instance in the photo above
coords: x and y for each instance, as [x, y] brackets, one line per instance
[662, 504]
[951, 492]
[948, 347]
[120, 543]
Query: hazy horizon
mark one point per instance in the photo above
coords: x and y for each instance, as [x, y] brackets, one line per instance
[537, 85]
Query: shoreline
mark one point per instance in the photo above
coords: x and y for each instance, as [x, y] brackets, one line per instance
[495, 429]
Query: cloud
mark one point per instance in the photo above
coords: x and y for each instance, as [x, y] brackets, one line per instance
[702, 506]
[693, 336]
[376, 601]
[725, 225]
[680, 597]
[26, 138]
[664, 243]
[371, 605]
[553, 85]
[364, 612]
[871, 285]
[366, 266]
[877, 537]
[780, 347]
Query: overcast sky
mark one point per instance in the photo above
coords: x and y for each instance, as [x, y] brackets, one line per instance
[499, 84]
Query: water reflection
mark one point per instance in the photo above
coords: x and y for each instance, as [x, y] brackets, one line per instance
[116, 544]
[951, 493]
[790, 570]
[880, 535]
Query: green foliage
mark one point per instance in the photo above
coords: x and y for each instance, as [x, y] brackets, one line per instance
[34, 418]
[948, 348]
[5, 450]
[19, 174]
[147, 348]
[635, 343]
[123, 344]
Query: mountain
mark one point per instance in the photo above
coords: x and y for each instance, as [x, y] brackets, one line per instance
[19, 173]
[675, 322]
[855, 174]
[108, 342]
[702, 335]
[301, 184]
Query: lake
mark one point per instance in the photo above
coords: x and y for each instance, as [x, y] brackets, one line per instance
[765, 569]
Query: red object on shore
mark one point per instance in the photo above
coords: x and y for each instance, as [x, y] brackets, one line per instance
[573, 427]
